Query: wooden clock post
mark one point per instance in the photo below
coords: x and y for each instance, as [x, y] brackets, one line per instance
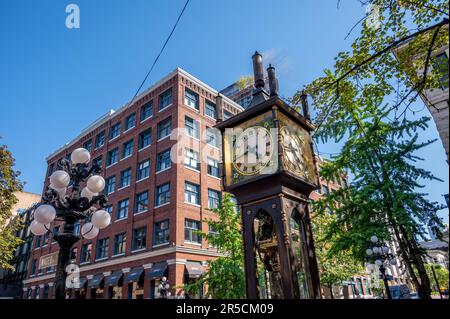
[269, 166]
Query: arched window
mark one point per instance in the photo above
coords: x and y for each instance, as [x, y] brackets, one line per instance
[297, 232]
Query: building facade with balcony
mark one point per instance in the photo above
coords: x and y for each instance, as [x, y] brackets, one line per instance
[160, 160]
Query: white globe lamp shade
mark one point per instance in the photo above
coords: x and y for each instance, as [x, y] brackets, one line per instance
[89, 231]
[374, 239]
[80, 156]
[60, 179]
[375, 250]
[369, 267]
[85, 192]
[96, 183]
[38, 229]
[369, 251]
[393, 262]
[164, 278]
[378, 262]
[45, 214]
[385, 249]
[167, 286]
[160, 286]
[101, 219]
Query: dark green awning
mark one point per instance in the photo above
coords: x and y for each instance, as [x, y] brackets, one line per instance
[134, 275]
[157, 271]
[114, 278]
[96, 281]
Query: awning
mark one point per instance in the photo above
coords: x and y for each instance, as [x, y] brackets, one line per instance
[157, 271]
[114, 278]
[80, 284]
[96, 281]
[133, 275]
[194, 269]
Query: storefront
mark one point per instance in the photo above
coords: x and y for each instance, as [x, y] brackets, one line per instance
[114, 285]
[135, 281]
[79, 291]
[155, 274]
[95, 285]
[194, 270]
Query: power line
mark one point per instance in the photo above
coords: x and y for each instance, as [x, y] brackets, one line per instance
[160, 52]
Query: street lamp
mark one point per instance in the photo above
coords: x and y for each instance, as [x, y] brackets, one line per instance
[164, 288]
[79, 205]
[379, 255]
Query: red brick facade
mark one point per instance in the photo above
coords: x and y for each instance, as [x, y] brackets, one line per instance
[176, 252]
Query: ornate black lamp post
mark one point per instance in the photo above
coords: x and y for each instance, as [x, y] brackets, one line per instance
[164, 288]
[78, 205]
[379, 255]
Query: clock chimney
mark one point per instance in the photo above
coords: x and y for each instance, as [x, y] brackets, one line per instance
[259, 94]
[273, 81]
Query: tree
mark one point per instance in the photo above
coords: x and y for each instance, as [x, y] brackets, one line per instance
[355, 104]
[9, 183]
[337, 267]
[225, 275]
[441, 276]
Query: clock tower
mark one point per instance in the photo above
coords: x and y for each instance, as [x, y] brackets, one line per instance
[268, 164]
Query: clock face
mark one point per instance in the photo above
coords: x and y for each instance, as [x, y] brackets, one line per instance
[250, 149]
[296, 148]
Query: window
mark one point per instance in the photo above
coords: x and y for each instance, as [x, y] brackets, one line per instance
[191, 229]
[130, 121]
[162, 194]
[213, 198]
[145, 138]
[100, 139]
[56, 231]
[165, 99]
[212, 137]
[163, 161]
[102, 248]
[143, 170]
[164, 128]
[191, 99]
[210, 109]
[73, 254]
[212, 231]
[191, 159]
[33, 266]
[191, 193]
[86, 252]
[110, 185]
[109, 209]
[36, 292]
[114, 131]
[46, 236]
[147, 111]
[38, 242]
[51, 168]
[127, 149]
[161, 232]
[441, 64]
[141, 204]
[192, 127]
[88, 145]
[112, 157]
[325, 189]
[120, 241]
[139, 236]
[213, 167]
[125, 178]
[98, 161]
[227, 115]
[122, 211]
[76, 228]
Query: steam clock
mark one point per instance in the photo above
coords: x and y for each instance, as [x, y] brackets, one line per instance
[269, 166]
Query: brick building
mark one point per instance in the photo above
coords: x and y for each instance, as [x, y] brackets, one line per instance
[156, 205]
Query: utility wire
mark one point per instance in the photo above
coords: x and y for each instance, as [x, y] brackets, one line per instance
[160, 52]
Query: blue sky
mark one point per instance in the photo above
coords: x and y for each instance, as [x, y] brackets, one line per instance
[55, 81]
